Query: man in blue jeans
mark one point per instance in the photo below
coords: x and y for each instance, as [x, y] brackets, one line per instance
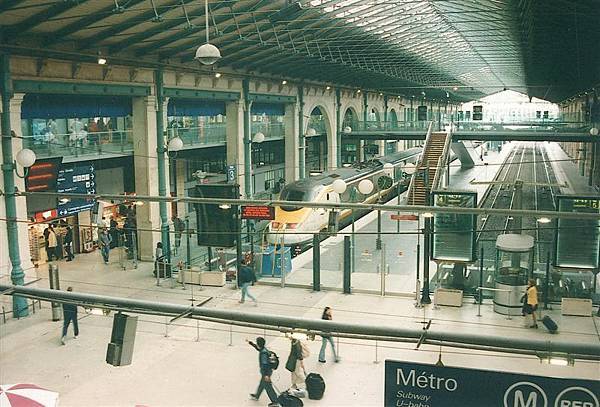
[265, 372]
[246, 279]
[69, 314]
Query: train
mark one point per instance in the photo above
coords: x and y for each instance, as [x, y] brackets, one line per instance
[296, 225]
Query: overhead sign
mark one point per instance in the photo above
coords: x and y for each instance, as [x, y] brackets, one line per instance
[42, 175]
[76, 180]
[218, 225]
[422, 385]
[258, 212]
[577, 240]
[231, 173]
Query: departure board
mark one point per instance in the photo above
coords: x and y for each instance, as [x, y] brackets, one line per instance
[453, 233]
[577, 243]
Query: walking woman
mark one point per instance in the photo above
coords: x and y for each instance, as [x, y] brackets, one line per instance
[531, 301]
[327, 338]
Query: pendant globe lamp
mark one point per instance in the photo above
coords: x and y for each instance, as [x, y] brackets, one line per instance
[207, 54]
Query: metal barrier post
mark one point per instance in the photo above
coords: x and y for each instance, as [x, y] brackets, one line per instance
[316, 263]
[188, 256]
[347, 267]
[479, 302]
[547, 282]
[166, 327]
[376, 359]
[480, 277]
[54, 285]
[382, 268]
[378, 240]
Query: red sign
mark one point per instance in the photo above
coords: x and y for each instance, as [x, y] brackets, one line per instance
[258, 212]
[44, 216]
[404, 217]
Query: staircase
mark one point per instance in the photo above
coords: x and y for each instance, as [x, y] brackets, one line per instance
[426, 176]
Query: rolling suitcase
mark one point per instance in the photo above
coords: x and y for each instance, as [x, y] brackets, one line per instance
[286, 399]
[550, 324]
[315, 386]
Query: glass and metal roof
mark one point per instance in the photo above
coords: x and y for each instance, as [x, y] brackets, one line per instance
[461, 49]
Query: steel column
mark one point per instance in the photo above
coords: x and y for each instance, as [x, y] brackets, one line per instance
[247, 139]
[425, 299]
[338, 122]
[347, 262]
[17, 276]
[160, 152]
[301, 135]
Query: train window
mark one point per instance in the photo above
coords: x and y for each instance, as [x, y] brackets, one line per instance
[290, 194]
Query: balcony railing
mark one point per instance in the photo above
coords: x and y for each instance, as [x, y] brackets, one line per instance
[270, 130]
[214, 133]
[80, 144]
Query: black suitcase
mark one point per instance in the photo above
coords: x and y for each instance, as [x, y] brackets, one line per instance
[550, 324]
[285, 399]
[315, 386]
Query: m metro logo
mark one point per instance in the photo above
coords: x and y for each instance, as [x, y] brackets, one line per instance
[525, 394]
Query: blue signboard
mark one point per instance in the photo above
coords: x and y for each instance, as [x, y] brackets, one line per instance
[76, 180]
[422, 385]
[231, 173]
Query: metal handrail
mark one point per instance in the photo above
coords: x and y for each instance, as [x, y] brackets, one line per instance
[442, 161]
[411, 185]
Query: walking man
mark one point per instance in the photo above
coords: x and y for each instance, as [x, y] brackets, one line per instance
[179, 227]
[265, 372]
[68, 243]
[69, 314]
[51, 243]
[104, 242]
[247, 278]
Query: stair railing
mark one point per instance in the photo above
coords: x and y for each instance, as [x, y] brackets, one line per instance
[411, 186]
[442, 161]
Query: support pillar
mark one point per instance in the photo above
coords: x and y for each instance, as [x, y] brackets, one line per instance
[146, 170]
[301, 135]
[235, 140]
[338, 125]
[291, 142]
[17, 275]
[247, 139]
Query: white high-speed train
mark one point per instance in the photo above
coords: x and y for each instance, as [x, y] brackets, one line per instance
[296, 225]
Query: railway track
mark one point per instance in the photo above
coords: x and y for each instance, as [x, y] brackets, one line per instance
[527, 162]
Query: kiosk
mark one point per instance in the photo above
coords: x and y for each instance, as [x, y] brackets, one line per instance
[514, 262]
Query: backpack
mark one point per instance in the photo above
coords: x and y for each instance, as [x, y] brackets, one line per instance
[305, 350]
[273, 359]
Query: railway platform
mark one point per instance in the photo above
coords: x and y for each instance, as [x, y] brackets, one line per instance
[189, 363]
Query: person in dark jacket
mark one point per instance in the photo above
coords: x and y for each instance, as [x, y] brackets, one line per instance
[295, 363]
[69, 314]
[246, 279]
[265, 372]
[68, 243]
[327, 338]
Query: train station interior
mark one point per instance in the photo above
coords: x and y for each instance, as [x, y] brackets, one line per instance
[400, 197]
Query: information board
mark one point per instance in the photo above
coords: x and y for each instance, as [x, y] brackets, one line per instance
[577, 242]
[76, 180]
[453, 233]
[217, 224]
[422, 385]
[258, 212]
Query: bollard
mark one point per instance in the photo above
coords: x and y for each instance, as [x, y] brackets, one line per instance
[376, 359]
[54, 285]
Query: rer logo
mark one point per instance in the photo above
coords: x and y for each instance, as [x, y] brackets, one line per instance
[576, 397]
[525, 394]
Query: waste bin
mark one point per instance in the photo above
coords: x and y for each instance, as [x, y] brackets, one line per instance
[271, 261]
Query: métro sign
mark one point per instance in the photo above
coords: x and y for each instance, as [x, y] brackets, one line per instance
[422, 385]
[258, 212]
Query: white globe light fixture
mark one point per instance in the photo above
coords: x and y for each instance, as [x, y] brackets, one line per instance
[365, 186]
[409, 168]
[347, 129]
[207, 54]
[175, 144]
[25, 158]
[388, 169]
[339, 186]
[258, 138]
[310, 132]
[594, 131]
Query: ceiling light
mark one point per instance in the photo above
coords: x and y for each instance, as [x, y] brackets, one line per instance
[328, 87]
[139, 203]
[380, 94]
[455, 88]
[101, 61]
[217, 75]
[358, 91]
[427, 215]
[225, 206]
[544, 219]
[284, 82]
[207, 54]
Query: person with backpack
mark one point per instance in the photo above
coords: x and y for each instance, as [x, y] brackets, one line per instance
[327, 338]
[267, 362]
[295, 362]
